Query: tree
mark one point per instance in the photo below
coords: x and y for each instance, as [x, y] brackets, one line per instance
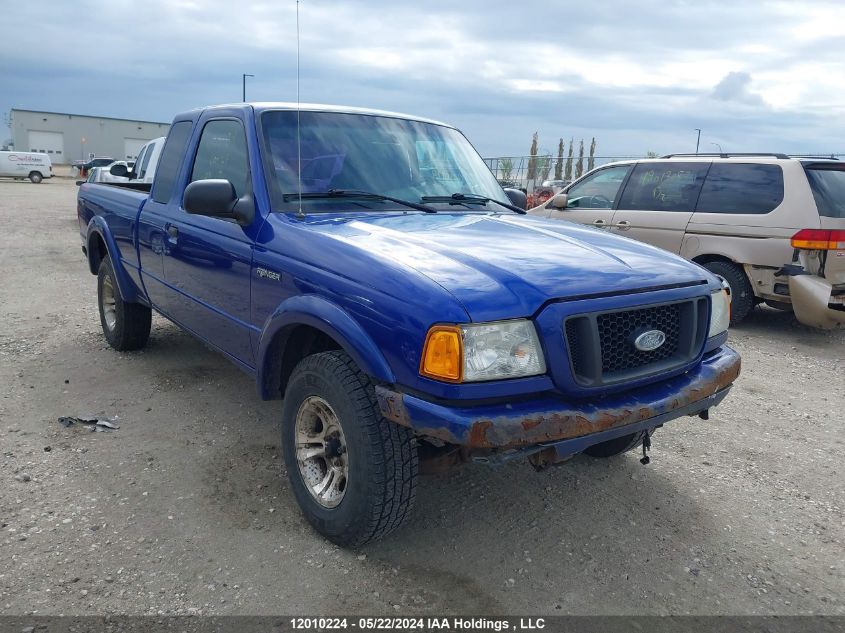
[651, 155]
[506, 168]
[532, 161]
[559, 163]
[567, 174]
[591, 162]
[579, 166]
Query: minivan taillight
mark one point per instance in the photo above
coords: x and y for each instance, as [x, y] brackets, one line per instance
[819, 240]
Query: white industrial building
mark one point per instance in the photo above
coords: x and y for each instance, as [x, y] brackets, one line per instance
[69, 137]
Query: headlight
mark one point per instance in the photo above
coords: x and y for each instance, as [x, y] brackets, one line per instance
[720, 312]
[484, 351]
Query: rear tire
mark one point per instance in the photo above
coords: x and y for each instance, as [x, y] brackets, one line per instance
[742, 294]
[126, 326]
[616, 446]
[35, 177]
[353, 473]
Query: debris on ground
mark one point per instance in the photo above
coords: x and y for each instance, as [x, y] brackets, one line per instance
[96, 423]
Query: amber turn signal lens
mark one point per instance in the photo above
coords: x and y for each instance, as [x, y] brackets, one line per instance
[443, 354]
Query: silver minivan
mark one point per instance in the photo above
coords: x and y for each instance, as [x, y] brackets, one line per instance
[771, 226]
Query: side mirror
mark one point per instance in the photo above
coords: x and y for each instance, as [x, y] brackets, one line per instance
[217, 198]
[119, 170]
[80, 182]
[560, 201]
[517, 197]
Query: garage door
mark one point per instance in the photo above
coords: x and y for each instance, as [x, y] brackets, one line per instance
[50, 143]
[131, 147]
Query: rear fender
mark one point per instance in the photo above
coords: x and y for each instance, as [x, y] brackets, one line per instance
[327, 317]
[98, 229]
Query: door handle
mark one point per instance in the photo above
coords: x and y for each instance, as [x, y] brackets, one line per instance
[623, 225]
[599, 222]
[172, 231]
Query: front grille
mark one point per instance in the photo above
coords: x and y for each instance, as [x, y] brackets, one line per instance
[601, 345]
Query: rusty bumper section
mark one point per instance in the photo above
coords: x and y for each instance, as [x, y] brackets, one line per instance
[550, 419]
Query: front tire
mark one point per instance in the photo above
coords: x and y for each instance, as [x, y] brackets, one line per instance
[126, 326]
[742, 294]
[353, 473]
[35, 178]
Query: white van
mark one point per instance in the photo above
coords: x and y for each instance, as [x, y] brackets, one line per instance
[21, 165]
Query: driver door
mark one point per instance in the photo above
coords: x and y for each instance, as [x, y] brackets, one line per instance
[591, 199]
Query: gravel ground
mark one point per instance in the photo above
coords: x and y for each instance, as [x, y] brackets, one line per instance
[185, 508]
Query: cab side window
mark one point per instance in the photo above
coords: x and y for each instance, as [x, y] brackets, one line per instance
[671, 186]
[222, 154]
[598, 191]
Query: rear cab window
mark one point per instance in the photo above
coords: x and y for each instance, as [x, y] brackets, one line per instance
[827, 181]
[670, 186]
[741, 188]
[171, 158]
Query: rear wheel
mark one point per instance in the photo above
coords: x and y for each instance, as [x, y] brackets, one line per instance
[35, 177]
[742, 294]
[617, 446]
[125, 325]
[353, 473]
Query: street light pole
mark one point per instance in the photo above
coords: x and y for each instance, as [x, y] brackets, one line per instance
[244, 85]
[698, 140]
[719, 146]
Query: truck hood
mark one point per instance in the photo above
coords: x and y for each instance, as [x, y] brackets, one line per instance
[507, 266]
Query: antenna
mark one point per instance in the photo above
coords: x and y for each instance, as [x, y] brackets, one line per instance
[298, 143]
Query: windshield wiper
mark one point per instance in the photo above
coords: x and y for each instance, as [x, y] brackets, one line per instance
[456, 198]
[356, 193]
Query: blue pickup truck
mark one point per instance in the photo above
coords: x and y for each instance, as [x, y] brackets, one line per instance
[369, 271]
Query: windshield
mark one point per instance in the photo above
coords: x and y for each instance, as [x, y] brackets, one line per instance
[828, 185]
[378, 154]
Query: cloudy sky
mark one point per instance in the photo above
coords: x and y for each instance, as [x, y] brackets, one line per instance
[753, 75]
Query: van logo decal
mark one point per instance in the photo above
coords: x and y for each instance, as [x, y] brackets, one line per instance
[650, 340]
[268, 274]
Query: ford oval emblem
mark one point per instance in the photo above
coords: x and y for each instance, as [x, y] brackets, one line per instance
[650, 340]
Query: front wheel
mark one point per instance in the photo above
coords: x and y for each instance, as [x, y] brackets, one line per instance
[354, 474]
[35, 177]
[742, 294]
[125, 325]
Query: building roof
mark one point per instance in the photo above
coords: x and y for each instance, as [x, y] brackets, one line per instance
[88, 116]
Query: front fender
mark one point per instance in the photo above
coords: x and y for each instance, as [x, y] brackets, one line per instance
[98, 229]
[327, 317]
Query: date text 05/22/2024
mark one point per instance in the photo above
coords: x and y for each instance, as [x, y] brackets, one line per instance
[412, 623]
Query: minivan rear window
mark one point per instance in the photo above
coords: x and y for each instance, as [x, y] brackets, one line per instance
[828, 185]
[741, 188]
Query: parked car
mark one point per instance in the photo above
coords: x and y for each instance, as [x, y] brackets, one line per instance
[85, 167]
[33, 166]
[103, 174]
[739, 215]
[405, 324]
[557, 185]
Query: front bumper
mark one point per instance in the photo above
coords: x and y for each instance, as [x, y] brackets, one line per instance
[550, 420]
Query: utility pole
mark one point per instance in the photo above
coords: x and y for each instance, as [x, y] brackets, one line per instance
[244, 85]
[698, 140]
[719, 146]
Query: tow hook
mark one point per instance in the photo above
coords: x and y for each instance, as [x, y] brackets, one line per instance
[704, 415]
[645, 459]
